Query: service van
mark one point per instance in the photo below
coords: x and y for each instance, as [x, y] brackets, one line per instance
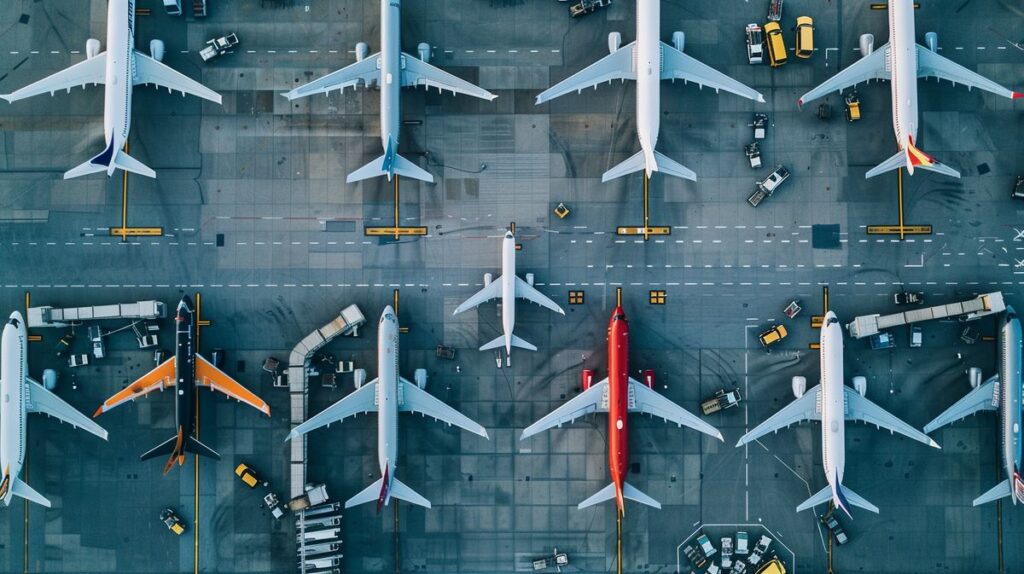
[804, 37]
[776, 45]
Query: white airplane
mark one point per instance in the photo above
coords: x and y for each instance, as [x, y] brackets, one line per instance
[390, 69]
[648, 61]
[119, 68]
[833, 403]
[22, 395]
[903, 61]
[508, 286]
[1002, 392]
[388, 395]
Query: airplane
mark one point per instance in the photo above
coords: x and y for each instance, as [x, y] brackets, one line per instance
[1003, 392]
[833, 403]
[389, 394]
[508, 286]
[119, 68]
[648, 61]
[618, 394]
[902, 61]
[185, 371]
[23, 395]
[390, 69]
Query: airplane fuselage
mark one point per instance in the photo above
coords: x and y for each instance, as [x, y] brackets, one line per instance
[903, 66]
[833, 417]
[618, 398]
[648, 77]
[387, 393]
[185, 368]
[508, 288]
[1010, 402]
[390, 71]
[13, 373]
[117, 99]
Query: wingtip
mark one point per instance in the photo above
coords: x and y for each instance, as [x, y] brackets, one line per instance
[7, 97]
[98, 412]
[800, 103]
[933, 444]
[483, 433]
[760, 98]
[1013, 96]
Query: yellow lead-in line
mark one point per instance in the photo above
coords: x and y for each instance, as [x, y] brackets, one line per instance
[195, 522]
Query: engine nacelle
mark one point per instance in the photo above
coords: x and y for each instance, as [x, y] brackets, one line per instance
[156, 50]
[359, 377]
[92, 47]
[931, 39]
[974, 377]
[860, 384]
[529, 279]
[424, 50]
[587, 378]
[487, 279]
[49, 379]
[799, 386]
[614, 41]
[362, 50]
[648, 378]
[867, 44]
[679, 40]
[420, 376]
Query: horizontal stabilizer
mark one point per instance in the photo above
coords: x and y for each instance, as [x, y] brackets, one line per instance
[633, 493]
[912, 158]
[514, 341]
[402, 492]
[382, 166]
[193, 446]
[164, 448]
[495, 344]
[606, 493]
[897, 161]
[108, 161]
[821, 497]
[21, 489]
[662, 163]
[369, 494]
[634, 164]
[998, 491]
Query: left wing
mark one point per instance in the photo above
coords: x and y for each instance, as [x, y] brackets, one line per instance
[932, 65]
[859, 408]
[676, 65]
[210, 376]
[526, 291]
[43, 401]
[979, 399]
[803, 409]
[416, 72]
[491, 291]
[150, 71]
[591, 400]
[870, 67]
[362, 400]
[363, 72]
[159, 378]
[416, 400]
[90, 71]
[615, 66]
[653, 403]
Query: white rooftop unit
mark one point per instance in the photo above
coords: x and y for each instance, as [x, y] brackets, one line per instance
[981, 306]
[50, 317]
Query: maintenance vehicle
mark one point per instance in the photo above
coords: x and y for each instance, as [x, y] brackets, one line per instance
[775, 11]
[852, 107]
[274, 504]
[247, 475]
[218, 46]
[760, 126]
[695, 556]
[768, 186]
[833, 525]
[706, 546]
[883, 340]
[742, 548]
[755, 44]
[916, 337]
[804, 37]
[773, 335]
[726, 560]
[172, 521]
[776, 44]
[774, 566]
[172, 7]
[64, 343]
[99, 349]
[1018, 188]
[759, 550]
[720, 401]
[793, 309]
[753, 153]
[587, 7]
[314, 495]
[78, 360]
[445, 352]
[908, 298]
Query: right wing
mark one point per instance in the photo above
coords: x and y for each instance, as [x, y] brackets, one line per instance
[43, 401]
[359, 402]
[859, 408]
[589, 401]
[526, 291]
[932, 65]
[803, 409]
[871, 67]
[615, 66]
[416, 400]
[676, 65]
[979, 399]
[90, 71]
[364, 72]
[492, 291]
[151, 71]
[416, 72]
[208, 375]
[159, 378]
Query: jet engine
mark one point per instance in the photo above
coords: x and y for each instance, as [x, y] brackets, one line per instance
[92, 47]
[424, 50]
[420, 376]
[867, 44]
[678, 40]
[529, 279]
[487, 279]
[860, 384]
[799, 386]
[359, 377]
[587, 378]
[156, 50]
[361, 51]
[614, 41]
[931, 39]
[974, 377]
[648, 378]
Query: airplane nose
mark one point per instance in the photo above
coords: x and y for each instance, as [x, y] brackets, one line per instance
[16, 319]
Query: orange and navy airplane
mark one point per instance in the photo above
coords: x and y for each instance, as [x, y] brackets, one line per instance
[184, 371]
[618, 395]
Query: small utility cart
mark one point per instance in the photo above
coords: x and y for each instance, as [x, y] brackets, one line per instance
[793, 309]
[852, 107]
[753, 152]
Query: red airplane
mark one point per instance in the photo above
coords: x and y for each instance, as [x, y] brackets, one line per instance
[618, 395]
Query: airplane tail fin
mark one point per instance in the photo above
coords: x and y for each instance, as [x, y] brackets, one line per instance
[628, 491]
[842, 497]
[995, 493]
[637, 162]
[390, 164]
[21, 489]
[911, 157]
[515, 342]
[176, 447]
[109, 160]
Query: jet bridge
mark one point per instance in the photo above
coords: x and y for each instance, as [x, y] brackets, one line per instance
[980, 306]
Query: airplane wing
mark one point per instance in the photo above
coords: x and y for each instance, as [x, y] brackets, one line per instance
[615, 66]
[859, 408]
[210, 376]
[416, 400]
[589, 401]
[803, 409]
[158, 379]
[526, 291]
[870, 67]
[932, 65]
[89, 71]
[43, 401]
[492, 291]
[150, 71]
[364, 72]
[416, 72]
[979, 399]
[676, 65]
[654, 403]
[359, 402]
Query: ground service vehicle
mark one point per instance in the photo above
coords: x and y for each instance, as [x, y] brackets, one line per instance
[79, 360]
[852, 107]
[804, 37]
[753, 153]
[908, 298]
[726, 552]
[173, 7]
[758, 554]
[767, 186]
[721, 401]
[171, 520]
[587, 7]
[760, 126]
[695, 556]
[916, 337]
[1018, 188]
[218, 46]
[248, 476]
[755, 44]
[883, 340]
[741, 544]
[773, 335]
[706, 546]
[775, 10]
[776, 44]
[832, 523]
[772, 567]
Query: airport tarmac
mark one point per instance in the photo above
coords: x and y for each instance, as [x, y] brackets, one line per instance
[256, 217]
